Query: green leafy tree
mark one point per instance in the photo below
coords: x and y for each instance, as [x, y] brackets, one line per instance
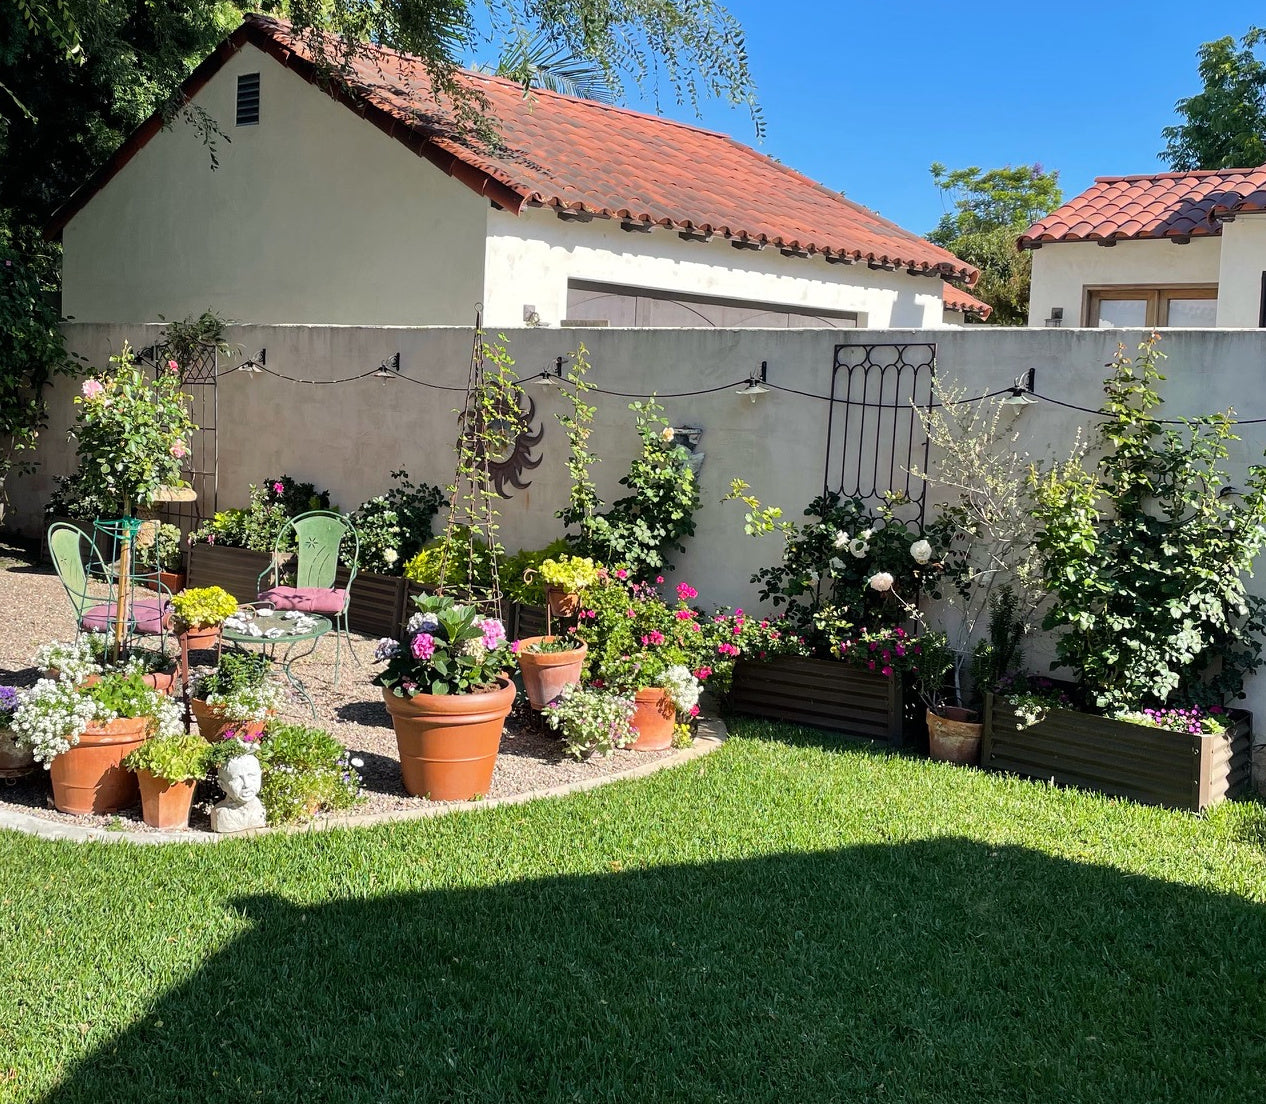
[991, 208]
[1224, 125]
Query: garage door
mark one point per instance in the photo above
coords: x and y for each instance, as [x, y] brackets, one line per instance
[610, 305]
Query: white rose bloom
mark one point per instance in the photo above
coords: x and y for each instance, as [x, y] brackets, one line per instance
[390, 555]
[858, 547]
[881, 581]
[841, 539]
[921, 550]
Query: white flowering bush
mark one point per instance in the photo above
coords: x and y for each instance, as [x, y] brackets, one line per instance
[591, 720]
[248, 703]
[52, 715]
[73, 660]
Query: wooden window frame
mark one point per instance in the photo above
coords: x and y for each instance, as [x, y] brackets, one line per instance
[1157, 297]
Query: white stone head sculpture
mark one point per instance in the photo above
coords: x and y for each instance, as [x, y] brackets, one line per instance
[240, 778]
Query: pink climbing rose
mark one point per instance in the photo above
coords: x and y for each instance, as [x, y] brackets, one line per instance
[92, 388]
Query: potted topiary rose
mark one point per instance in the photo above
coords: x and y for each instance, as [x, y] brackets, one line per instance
[448, 694]
[81, 734]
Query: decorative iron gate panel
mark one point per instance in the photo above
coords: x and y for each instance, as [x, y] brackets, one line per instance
[874, 435]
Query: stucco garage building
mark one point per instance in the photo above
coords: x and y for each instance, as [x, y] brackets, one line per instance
[360, 203]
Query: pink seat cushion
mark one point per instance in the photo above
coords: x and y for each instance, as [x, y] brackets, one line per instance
[147, 614]
[305, 599]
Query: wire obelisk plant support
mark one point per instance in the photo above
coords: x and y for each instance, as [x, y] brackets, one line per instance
[488, 424]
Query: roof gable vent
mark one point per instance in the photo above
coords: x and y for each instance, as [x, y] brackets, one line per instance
[248, 99]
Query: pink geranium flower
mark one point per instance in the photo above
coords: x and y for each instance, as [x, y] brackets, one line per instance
[686, 592]
[278, 487]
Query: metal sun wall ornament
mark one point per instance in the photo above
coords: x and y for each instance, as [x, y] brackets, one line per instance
[516, 460]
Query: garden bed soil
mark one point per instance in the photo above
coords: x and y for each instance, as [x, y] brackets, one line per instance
[531, 758]
[821, 693]
[1150, 765]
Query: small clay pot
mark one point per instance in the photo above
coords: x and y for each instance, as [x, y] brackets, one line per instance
[215, 726]
[561, 602]
[654, 716]
[165, 804]
[15, 761]
[952, 741]
[548, 674]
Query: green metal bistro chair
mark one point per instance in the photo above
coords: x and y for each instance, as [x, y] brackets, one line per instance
[93, 588]
[320, 537]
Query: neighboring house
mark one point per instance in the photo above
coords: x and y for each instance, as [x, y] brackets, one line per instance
[959, 305]
[1170, 249]
[358, 204]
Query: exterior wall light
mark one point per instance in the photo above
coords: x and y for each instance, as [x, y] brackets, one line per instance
[1021, 391]
[254, 365]
[389, 368]
[546, 378]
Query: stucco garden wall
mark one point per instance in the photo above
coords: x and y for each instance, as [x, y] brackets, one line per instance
[1063, 270]
[313, 215]
[349, 437]
[531, 257]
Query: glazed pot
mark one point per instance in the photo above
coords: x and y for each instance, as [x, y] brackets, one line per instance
[954, 741]
[90, 777]
[562, 603]
[548, 674]
[215, 726]
[653, 716]
[165, 804]
[448, 742]
[15, 761]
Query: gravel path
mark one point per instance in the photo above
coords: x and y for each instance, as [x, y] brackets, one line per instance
[36, 610]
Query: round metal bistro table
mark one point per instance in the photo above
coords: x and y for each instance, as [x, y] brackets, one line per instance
[279, 630]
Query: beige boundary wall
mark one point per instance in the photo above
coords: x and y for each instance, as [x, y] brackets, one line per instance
[348, 437]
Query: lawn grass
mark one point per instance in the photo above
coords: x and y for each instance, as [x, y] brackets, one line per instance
[787, 920]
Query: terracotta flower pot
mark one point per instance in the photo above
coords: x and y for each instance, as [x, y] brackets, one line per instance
[199, 640]
[90, 777]
[653, 716]
[174, 581]
[162, 681]
[561, 602]
[215, 726]
[548, 674]
[952, 741]
[448, 742]
[165, 804]
[15, 761]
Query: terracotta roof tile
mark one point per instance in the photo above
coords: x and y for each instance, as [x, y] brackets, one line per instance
[1160, 205]
[563, 152]
[956, 299]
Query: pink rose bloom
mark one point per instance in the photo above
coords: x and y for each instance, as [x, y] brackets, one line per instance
[685, 592]
[179, 451]
[173, 367]
[92, 388]
[423, 646]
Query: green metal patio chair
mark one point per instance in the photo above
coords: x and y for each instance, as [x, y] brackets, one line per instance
[92, 587]
[320, 537]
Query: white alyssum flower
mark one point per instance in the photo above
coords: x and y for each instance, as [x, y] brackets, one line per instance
[682, 687]
[921, 550]
[250, 703]
[51, 716]
[880, 581]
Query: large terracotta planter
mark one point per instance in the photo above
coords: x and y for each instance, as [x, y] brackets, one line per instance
[954, 741]
[215, 726]
[653, 716]
[15, 761]
[448, 742]
[548, 674]
[90, 777]
[165, 804]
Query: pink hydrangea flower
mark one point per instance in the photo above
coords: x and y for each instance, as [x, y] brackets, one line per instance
[92, 388]
[494, 632]
[423, 646]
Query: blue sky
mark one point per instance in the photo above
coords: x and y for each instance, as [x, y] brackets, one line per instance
[864, 96]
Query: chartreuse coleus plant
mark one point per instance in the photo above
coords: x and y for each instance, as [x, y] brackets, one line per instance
[1146, 551]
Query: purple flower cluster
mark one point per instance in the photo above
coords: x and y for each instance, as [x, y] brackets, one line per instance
[8, 701]
[1193, 720]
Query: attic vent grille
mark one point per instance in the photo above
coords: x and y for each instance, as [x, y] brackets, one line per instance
[248, 99]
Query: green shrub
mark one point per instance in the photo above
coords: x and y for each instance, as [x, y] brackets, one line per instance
[203, 607]
[177, 758]
[515, 567]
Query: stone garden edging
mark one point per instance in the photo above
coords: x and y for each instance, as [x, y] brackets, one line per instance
[711, 734]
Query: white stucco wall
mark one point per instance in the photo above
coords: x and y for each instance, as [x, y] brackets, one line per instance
[314, 215]
[530, 259]
[1240, 273]
[1063, 270]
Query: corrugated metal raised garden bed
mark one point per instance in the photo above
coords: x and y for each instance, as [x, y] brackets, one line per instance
[821, 693]
[1151, 765]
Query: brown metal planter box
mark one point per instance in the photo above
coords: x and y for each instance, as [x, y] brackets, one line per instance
[377, 602]
[1151, 765]
[821, 693]
[235, 569]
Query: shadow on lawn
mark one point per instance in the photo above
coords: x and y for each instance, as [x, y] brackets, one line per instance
[937, 970]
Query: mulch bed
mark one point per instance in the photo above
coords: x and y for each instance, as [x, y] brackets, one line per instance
[36, 610]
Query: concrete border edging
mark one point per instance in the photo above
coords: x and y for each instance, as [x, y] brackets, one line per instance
[710, 734]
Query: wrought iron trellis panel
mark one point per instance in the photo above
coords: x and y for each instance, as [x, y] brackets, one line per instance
[874, 436]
